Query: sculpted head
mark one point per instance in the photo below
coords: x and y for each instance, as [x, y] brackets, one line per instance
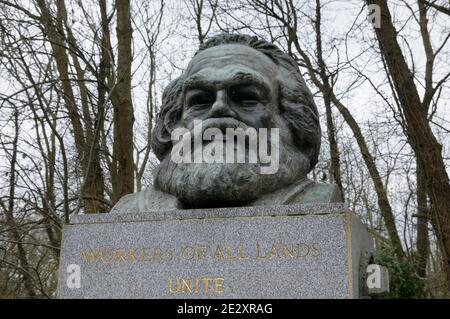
[236, 81]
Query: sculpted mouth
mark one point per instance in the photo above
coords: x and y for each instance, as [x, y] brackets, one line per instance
[222, 123]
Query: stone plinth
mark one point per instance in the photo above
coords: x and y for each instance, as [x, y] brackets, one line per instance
[295, 251]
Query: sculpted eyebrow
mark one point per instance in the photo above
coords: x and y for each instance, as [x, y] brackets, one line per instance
[249, 79]
[237, 79]
[198, 83]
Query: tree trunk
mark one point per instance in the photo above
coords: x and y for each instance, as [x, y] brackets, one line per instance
[334, 150]
[425, 145]
[383, 202]
[326, 90]
[422, 224]
[9, 212]
[93, 184]
[85, 144]
[123, 117]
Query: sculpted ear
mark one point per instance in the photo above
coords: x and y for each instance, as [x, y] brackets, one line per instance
[305, 131]
[168, 118]
[300, 114]
[298, 109]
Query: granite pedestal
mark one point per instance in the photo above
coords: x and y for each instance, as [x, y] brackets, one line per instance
[291, 251]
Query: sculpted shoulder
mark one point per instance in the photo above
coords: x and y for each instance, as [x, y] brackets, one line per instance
[150, 199]
[319, 193]
[303, 192]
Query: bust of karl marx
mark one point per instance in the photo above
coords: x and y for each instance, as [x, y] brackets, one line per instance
[235, 81]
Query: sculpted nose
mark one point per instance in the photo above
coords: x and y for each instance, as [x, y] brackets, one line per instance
[221, 108]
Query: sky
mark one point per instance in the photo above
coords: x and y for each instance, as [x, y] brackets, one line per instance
[178, 42]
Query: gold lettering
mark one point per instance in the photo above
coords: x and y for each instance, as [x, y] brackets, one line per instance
[288, 251]
[306, 250]
[144, 254]
[197, 284]
[201, 250]
[274, 251]
[171, 290]
[224, 251]
[316, 249]
[186, 283]
[218, 285]
[131, 256]
[206, 281]
[157, 254]
[218, 254]
[120, 254]
[185, 254]
[94, 255]
[107, 252]
[169, 254]
[258, 254]
[240, 252]
[229, 253]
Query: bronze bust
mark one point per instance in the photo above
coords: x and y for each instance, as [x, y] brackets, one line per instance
[241, 82]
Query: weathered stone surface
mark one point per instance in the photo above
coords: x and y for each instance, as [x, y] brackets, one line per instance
[291, 251]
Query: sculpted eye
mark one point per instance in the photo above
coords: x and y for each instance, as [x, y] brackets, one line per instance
[200, 99]
[244, 96]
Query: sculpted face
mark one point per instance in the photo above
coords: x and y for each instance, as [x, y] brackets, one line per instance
[231, 85]
[231, 81]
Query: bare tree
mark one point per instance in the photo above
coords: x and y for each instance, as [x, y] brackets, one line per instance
[122, 158]
[415, 111]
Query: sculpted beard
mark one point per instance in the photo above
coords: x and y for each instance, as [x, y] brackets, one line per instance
[230, 184]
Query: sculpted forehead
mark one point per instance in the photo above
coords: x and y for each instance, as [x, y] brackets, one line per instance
[233, 56]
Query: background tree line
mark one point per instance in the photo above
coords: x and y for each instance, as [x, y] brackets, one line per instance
[81, 84]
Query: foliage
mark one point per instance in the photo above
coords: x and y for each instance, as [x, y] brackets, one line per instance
[403, 280]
